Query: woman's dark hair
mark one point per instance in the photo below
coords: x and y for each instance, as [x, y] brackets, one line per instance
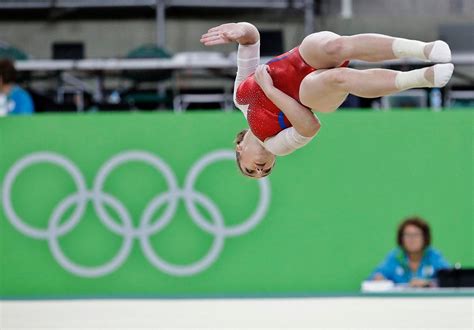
[7, 71]
[418, 222]
[238, 139]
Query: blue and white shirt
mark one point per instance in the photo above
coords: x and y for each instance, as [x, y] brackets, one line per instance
[396, 268]
[17, 102]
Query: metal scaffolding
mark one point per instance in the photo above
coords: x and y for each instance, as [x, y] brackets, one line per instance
[161, 5]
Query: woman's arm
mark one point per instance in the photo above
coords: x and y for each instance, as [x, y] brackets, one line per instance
[438, 261]
[385, 270]
[302, 119]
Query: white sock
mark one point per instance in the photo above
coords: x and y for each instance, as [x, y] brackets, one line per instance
[440, 52]
[416, 78]
[409, 48]
[442, 74]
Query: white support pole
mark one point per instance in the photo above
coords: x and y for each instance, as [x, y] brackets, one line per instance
[346, 8]
[308, 17]
[160, 23]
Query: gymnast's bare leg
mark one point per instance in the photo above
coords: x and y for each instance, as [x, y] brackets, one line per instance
[326, 90]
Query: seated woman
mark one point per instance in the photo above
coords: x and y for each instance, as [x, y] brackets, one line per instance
[18, 101]
[414, 262]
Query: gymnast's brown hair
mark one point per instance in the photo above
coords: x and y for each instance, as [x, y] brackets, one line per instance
[238, 139]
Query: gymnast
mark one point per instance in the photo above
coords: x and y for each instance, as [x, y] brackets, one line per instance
[279, 98]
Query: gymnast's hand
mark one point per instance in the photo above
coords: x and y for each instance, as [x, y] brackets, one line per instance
[223, 34]
[263, 78]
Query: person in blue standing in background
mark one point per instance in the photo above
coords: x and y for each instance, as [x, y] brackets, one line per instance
[414, 262]
[16, 101]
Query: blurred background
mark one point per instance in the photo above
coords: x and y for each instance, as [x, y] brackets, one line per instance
[120, 181]
[65, 48]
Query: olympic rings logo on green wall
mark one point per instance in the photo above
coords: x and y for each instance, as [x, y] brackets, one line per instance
[147, 225]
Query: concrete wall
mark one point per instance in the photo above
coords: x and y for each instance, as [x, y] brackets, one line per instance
[405, 8]
[114, 38]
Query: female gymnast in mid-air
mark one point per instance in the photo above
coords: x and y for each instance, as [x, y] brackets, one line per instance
[278, 99]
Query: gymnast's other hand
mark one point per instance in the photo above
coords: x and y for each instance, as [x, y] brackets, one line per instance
[263, 78]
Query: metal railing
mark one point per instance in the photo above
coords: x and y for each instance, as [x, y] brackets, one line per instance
[40, 4]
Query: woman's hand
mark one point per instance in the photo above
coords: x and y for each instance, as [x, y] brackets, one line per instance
[378, 277]
[419, 283]
[263, 78]
[223, 34]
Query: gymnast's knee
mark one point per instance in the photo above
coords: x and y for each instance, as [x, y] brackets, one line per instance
[319, 39]
[338, 78]
[338, 48]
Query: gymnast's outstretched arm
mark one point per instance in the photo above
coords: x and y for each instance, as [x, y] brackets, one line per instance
[248, 54]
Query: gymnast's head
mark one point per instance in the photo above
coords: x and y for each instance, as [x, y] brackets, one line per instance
[253, 160]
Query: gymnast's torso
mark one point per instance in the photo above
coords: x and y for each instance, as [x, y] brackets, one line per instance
[264, 118]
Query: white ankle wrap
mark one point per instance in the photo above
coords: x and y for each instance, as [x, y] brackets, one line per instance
[412, 79]
[408, 48]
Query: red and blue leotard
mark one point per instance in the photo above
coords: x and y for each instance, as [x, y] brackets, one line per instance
[287, 72]
[266, 121]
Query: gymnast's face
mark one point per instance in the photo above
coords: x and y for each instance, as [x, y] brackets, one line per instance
[255, 160]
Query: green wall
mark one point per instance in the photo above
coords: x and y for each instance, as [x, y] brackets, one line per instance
[333, 206]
